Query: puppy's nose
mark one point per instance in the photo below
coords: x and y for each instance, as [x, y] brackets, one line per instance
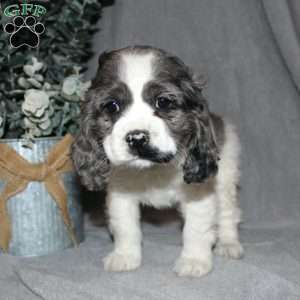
[137, 138]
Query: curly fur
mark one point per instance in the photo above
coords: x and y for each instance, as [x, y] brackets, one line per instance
[90, 160]
[190, 158]
[195, 131]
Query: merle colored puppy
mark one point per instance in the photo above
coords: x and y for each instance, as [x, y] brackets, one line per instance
[148, 137]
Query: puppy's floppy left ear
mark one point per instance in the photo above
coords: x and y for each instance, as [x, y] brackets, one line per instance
[202, 149]
[90, 162]
[87, 152]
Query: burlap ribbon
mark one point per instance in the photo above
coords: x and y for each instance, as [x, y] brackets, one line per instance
[17, 173]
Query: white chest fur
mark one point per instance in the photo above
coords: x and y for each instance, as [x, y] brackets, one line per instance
[159, 186]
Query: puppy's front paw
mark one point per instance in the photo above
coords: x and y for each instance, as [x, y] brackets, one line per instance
[117, 262]
[230, 250]
[193, 267]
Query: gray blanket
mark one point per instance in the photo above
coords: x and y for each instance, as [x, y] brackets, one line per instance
[270, 270]
[250, 52]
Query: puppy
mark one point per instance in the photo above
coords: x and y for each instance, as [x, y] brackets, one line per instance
[148, 137]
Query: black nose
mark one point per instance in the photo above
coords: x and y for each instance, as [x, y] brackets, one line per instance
[137, 138]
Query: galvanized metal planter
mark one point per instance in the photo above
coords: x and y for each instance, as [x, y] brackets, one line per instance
[36, 222]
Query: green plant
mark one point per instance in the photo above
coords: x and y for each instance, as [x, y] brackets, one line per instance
[41, 89]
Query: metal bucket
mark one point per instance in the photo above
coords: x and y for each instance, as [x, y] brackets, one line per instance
[36, 222]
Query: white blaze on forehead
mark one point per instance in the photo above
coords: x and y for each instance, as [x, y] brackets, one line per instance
[135, 71]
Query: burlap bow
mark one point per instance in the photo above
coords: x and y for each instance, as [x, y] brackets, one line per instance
[17, 173]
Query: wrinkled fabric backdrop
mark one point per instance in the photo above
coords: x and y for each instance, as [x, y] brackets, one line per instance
[250, 52]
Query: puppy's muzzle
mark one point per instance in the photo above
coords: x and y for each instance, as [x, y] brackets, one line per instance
[139, 144]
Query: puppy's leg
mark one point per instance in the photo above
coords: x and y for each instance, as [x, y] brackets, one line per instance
[198, 237]
[228, 244]
[124, 217]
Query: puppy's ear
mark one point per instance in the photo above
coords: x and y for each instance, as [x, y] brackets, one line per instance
[202, 149]
[102, 58]
[104, 67]
[89, 158]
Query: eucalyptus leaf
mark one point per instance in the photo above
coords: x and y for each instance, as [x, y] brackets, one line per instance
[47, 86]
[36, 132]
[34, 101]
[45, 125]
[23, 83]
[28, 124]
[48, 131]
[16, 92]
[64, 49]
[50, 111]
[72, 98]
[56, 120]
[39, 120]
[32, 68]
[34, 83]
[38, 77]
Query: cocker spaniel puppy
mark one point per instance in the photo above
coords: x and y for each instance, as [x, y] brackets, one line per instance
[148, 137]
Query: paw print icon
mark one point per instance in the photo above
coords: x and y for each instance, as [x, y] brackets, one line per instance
[24, 32]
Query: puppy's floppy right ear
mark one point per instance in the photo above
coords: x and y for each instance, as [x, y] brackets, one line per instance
[202, 148]
[89, 158]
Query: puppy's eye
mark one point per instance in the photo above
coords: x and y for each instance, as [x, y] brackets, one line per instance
[163, 103]
[112, 107]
